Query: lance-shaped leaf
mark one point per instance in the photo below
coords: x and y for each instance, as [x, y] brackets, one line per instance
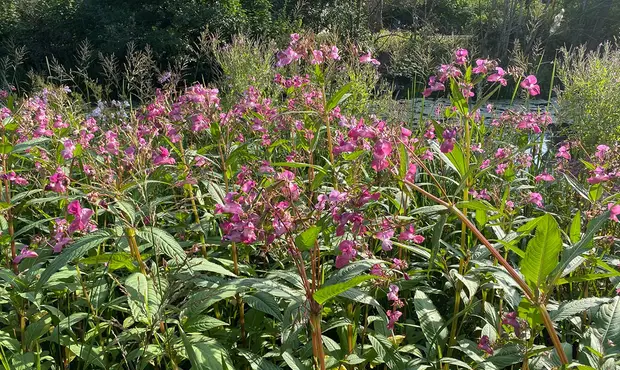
[541, 255]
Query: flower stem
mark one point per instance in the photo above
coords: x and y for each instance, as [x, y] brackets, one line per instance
[130, 232]
[502, 261]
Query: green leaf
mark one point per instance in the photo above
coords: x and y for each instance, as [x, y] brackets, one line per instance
[574, 232]
[7, 341]
[403, 161]
[37, 329]
[163, 241]
[203, 299]
[5, 148]
[114, 261]
[264, 302]
[431, 322]
[137, 288]
[436, 240]
[24, 146]
[584, 245]
[306, 239]
[329, 292]
[75, 251]
[541, 255]
[596, 192]
[292, 361]
[574, 183]
[386, 351]
[299, 165]
[257, 362]
[201, 323]
[201, 264]
[572, 308]
[340, 96]
[608, 321]
[206, 354]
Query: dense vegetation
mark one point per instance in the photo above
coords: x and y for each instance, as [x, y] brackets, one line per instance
[175, 197]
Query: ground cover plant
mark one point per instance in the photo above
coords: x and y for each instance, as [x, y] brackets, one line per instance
[287, 226]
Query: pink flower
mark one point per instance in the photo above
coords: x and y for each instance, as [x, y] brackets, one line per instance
[498, 76]
[347, 253]
[599, 176]
[536, 198]
[294, 38]
[333, 53]
[61, 242]
[366, 58]
[449, 137]
[317, 57]
[385, 237]
[162, 156]
[409, 234]
[410, 176]
[427, 155]
[485, 344]
[377, 270]
[399, 264]
[563, 152]
[544, 177]
[82, 217]
[600, 152]
[529, 84]
[434, 85]
[430, 132]
[69, 147]
[286, 57]
[25, 253]
[58, 182]
[392, 293]
[502, 153]
[337, 197]
[511, 319]
[485, 164]
[381, 150]
[393, 317]
[12, 177]
[501, 168]
[614, 211]
[481, 66]
[461, 56]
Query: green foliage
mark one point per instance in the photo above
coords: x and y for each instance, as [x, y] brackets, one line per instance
[589, 99]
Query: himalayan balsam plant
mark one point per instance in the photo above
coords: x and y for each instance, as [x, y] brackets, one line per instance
[283, 231]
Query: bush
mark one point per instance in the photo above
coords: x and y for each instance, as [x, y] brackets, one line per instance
[589, 100]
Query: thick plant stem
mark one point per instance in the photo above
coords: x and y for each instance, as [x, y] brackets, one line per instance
[317, 340]
[240, 304]
[130, 232]
[552, 333]
[529, 294]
